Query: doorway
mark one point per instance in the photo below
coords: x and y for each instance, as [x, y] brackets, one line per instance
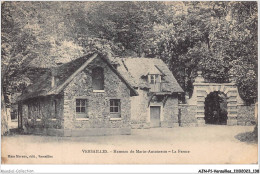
[155, 112]
[216, 108]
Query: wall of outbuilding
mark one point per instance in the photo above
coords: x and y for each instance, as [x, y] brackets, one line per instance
[43, 120]
[187, 114]
[140, 111]
[170, 113]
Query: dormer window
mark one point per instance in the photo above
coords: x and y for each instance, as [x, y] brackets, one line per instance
[154, 78]
[155, 82]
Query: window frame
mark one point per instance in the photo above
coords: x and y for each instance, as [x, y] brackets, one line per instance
[115, 103]
[155, 78]
[81, 115]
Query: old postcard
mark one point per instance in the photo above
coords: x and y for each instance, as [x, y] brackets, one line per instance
[129, 82]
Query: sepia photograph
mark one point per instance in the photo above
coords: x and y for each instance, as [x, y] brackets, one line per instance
[129, 82]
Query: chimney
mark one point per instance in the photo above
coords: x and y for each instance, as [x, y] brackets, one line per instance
[53, 76]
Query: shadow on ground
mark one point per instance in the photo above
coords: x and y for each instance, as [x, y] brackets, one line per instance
[247, 137]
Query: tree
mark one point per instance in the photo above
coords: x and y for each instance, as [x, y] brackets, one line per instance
[14, 54]
[219, 38]
[24, 39]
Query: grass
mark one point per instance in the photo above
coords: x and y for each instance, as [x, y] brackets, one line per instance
[248, 137]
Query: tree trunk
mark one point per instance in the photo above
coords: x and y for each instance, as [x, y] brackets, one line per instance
[4, 116]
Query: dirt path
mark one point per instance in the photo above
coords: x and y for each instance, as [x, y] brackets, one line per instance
[182, 145]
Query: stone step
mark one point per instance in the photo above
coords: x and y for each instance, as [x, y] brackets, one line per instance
[232, 115]
[200, 116]
[231, 109]
[201, 100]
[231, 95]
[200, 111]
[231, 105]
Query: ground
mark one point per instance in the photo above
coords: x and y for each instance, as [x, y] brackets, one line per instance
[180, 145]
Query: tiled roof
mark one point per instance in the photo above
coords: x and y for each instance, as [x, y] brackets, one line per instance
[135, 70]
[42, 86]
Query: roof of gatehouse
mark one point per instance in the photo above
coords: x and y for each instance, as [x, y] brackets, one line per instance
[136, 70]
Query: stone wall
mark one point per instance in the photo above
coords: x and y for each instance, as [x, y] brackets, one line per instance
[139, 110]
[187, 115]
[246, 115]
[170, 113]
[98, 103]
[140, 116]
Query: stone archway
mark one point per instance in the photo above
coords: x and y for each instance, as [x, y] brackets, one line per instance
[216, 108]
[202, 89]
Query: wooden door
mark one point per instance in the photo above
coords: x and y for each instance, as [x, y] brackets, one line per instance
[155, 116]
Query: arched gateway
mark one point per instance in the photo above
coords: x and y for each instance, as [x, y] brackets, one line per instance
[203, 89]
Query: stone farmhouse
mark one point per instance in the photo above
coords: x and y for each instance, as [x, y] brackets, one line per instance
[87, 96]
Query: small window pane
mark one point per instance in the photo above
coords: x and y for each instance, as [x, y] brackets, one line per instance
[117, 103]
[152, 79]
[157, 80]
[116, 109]
[77, 109]
[83, 109]
[77, 102]
[82, 102]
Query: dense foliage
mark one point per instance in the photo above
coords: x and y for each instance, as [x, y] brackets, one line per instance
[219, 38]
